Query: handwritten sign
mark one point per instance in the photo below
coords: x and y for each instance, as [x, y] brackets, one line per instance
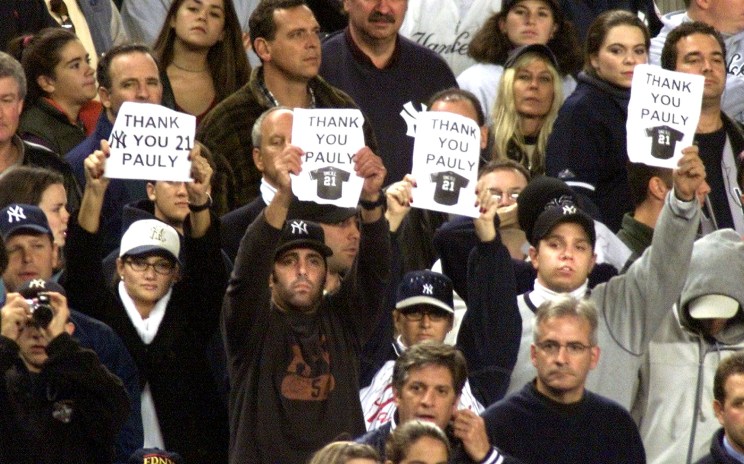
[663, 114]
[445, 163]
[330, 138]
[151, 142]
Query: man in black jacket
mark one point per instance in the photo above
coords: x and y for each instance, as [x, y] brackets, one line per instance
[59, 404]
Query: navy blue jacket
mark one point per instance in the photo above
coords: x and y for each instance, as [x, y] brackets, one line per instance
[587, 148]
[718, 454]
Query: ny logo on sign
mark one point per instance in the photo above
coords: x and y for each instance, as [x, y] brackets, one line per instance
[428, 289]
[299, 227]
[15, 213]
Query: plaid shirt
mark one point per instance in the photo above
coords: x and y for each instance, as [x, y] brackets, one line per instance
[226, 131]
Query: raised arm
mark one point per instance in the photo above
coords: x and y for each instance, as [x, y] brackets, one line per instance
[636, 303]
[362, 293]
[491, 328]
[247, 301]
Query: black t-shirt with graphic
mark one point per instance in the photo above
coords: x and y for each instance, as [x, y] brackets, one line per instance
[664, 139]
[330, 180]
[448, 187]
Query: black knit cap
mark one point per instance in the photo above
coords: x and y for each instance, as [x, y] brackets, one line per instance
[547, 202]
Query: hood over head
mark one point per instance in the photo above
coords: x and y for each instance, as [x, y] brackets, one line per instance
[716, 268]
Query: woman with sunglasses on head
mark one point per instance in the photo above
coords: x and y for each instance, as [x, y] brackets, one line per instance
[59, 110]
[165, 306]
[529, 96]
[201, 55]
[520, 23]
[587, 148]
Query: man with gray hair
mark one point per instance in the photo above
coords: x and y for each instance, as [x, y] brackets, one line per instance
[13, 150]
[272, 133]
[554, 418]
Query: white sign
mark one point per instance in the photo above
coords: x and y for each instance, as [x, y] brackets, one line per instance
[151, 142]
[330, 138]
[445, 163]
[663, 114]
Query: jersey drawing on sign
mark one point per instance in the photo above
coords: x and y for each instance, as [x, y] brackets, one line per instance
[330, 181]
[664, 139]
[448, 187]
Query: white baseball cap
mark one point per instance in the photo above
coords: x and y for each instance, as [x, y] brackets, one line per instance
[713, 307]
[148, 235]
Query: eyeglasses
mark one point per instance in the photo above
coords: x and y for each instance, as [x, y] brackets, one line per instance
[500, 196]
[435, 315]
[161, 267]
[553, 348]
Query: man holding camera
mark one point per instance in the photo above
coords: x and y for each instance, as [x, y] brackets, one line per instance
[59, 404]
[31, 254]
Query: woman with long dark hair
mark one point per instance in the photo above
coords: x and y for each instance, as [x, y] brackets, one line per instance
[201, 55]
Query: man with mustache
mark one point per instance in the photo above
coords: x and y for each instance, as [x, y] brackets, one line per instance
[386, 74]
[554, 418]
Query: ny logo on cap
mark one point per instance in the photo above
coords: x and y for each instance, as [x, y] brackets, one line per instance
[428, 289]
[564, 201]
[299, 227]
[37, 283]
[569, 209]
[157, 233]
[15, 213]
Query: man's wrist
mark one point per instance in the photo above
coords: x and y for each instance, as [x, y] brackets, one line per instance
[201, 206]
[373, 202]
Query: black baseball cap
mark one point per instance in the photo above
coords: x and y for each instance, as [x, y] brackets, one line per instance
[298, 233]
[19, 217]
[554, 5]
[539, 49]
[425, 287]
[547, 202]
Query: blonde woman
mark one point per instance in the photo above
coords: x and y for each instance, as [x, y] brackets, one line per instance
[529, 96]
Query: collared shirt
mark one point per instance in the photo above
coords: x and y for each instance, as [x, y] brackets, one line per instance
[731, 451]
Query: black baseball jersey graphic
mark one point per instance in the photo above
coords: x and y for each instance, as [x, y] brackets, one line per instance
[664, 139]
[330, 180]
[448, 187]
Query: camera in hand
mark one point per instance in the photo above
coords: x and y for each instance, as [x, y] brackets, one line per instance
[36, 294]
[41, 310]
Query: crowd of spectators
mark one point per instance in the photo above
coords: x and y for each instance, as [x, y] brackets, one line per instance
[592, 311]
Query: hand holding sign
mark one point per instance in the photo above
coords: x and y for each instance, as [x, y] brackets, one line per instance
[201, 173]
[369, 167]
[689, 175]
[399, 200]
[151, 142]
[95, 167]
